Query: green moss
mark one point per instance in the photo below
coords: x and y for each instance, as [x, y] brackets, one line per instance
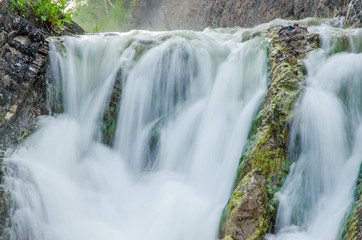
[228, 238]
[223, 221]
[236, 197]
[340, 43]
[358, 190]
[263, 227]
[141, 47]
[353, 227]
[266, 146]
[235, 200]
[109, 123]
[25, 134]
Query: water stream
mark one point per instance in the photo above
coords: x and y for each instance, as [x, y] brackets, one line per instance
[194, 93]
[326, 140]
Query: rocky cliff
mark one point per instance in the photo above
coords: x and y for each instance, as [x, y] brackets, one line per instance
[169, 15]
[198, 14]
[23, 65]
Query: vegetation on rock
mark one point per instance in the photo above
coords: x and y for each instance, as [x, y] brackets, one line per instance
[102, 15]
[51, 13]
[111, 113]
[265, 161]
[353, 228]
[23, 64]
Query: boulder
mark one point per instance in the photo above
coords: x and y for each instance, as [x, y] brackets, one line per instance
[250, 211]
[354, 14]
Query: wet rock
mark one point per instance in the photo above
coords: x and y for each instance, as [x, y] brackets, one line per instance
[198, 14]
[110, 115]
[245, 210]
[353, 228]
[251, 13]
[354, 14]
[265, 157]
[23, 54]
[169, 15]
[23, 64]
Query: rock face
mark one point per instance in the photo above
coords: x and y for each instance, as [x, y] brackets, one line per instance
[23, 64]
[23, 51]
[264, 164]
[250, 13]
[246, 208]
[169, 15]
[198, 14]
[354, 14]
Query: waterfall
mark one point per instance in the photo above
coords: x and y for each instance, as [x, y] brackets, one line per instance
[188, 100]
[326, 140]
[185, 104]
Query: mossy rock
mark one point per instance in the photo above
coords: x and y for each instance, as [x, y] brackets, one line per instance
[266, 151]
[353, 228]
[110, 115]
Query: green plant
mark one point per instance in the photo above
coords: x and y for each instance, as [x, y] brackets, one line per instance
[133, 4]
[103, 16]
[50, 12]
[215, 23]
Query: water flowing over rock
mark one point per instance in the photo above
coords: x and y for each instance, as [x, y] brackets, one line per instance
[163, 163]
[267, 147]
[23, 53]
[23, 89]
[325, 145]
[151, 126]
[353, 228]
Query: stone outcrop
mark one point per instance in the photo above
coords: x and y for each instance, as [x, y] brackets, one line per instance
[23, 52]
[246, 209]
[354, 14]
[264, 164]
[227, 13]
[23, 65]
[169, 15]
[353, 228]
[199, 14]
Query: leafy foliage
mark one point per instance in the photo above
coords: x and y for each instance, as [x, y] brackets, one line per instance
[51, 13]
[102, 15]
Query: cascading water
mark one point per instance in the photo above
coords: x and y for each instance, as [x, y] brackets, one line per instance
[326, 139]
[187, 104]
[192, 95]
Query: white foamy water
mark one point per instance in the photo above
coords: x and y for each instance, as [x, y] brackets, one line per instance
[327, 139]
[187, 103]
[194, 94]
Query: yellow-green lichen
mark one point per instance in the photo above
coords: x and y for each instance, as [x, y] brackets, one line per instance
[228, 238]
[353, 227]
[266, 147]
